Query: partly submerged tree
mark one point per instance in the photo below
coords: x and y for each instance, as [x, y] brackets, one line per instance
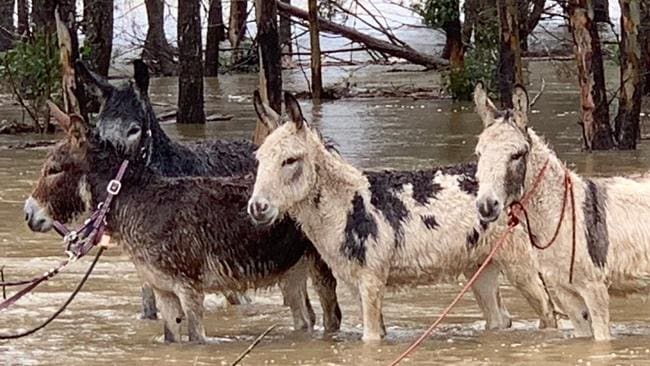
[510, 69]
[596, 128]
[190, 71]
[215, 34]
[157, 52]
[270, 58]
[237, 27]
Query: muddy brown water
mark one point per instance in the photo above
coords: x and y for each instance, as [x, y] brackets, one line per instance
[102, 326]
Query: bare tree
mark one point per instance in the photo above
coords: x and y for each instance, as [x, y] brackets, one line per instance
[510, 69]
[285, 32]
[454, 50]
[98, 28]
[596, 129]
[22, 8]
[157, 52]
[43, 16]
[215, 34]
[270, 61]
[190, 73]
[314, 37]
[530, 12]
[626, 123]
[237, 27]
[6, 24]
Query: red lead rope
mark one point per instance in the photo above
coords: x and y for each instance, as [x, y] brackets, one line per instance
[513, 221]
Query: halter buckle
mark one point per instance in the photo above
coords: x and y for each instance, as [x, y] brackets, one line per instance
[114, 187]
[70, 237]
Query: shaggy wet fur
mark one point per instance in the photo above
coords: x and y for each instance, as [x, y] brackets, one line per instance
[127, 108]
[377, 229]
[184, 235]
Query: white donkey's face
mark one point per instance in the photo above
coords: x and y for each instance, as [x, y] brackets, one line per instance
[502, 151]
[286, 172]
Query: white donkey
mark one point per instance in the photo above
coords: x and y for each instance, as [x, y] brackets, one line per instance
[385, 228]
[612, 247]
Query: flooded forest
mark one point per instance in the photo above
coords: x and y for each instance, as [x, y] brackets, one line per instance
[183, 94]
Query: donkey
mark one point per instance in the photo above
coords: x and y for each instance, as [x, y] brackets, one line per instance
[185, 236]
[385, 228]
[612, 241]
[127, 120]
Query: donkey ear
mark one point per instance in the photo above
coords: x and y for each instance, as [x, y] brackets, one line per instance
[520, 99]
[266, 114]
[77, 131]
[293, 110]
[141, 75]
[61, 118]
[99, 86]
[484, 106]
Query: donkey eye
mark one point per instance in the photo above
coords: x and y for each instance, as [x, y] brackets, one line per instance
[290, 161]
[53, 171]
[518, 155]
[133, 130]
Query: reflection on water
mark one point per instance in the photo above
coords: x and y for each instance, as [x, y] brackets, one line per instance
[101, 326]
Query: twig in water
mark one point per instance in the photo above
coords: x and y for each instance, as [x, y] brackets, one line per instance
[2, 279]
[253, 345]
[539, 94]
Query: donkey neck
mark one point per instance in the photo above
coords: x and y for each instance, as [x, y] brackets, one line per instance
[547, 199]
[336, 184]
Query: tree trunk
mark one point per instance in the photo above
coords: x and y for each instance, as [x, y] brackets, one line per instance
[529, 20]
[510, 70]
[215, 34]
[157, 52]
[314, 34]
[23, 17]
[73, 87]
[285, 32]
[601, 11]
[237, 27]
[379, 45]
[98, 28]
[596, 129]
[6, 24]
[270, 61]
[626, 122]
[454, 50]
[43, 16]
[644, 31]
[190, 75]
[471, 10]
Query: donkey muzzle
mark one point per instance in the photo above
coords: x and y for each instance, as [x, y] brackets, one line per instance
[489, 209]
[261, 211]
[37, 219]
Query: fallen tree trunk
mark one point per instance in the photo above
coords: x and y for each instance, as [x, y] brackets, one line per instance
[379, 45]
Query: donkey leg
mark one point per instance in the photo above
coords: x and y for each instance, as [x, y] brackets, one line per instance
[192, 302]
[172, 314]
[325, 285]
[148, 303]
[237, 298]
[371, 289]
[488, 297]
[531, 285]
[574, 307]
[596, 298]
[294, 282]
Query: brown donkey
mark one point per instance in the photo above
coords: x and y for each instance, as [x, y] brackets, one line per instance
[376, 229]
[185, 236]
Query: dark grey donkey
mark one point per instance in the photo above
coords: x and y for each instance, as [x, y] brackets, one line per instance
[127, 120]
[184, 235]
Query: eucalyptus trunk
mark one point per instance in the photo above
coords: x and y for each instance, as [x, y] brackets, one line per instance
[510, 69]
[596, 128]
[626, 123]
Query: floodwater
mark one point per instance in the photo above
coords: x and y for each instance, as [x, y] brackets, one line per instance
[102, 326]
